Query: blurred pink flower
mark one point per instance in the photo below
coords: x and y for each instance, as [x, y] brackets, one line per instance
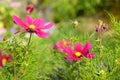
[29, 9]
[15, 4]
[1, 37]
[2, 31]
[62, 44]
[79, 52]
[31, 25]
[4, 58]
[98, 29]
[12, 30]
[105, 26]
[75, 22]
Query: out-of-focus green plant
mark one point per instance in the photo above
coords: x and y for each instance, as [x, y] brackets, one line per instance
[23, 64]
[116, 29]
[5, 15]
[64, 9]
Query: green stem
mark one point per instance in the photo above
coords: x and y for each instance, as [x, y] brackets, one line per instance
[14, 68]
[25, 58]
[29, 40]
[100, 46]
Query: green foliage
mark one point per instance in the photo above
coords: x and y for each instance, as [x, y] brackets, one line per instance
[23, 63]
[64, 9]
[69, 9]
[5, 15]
[116, 29]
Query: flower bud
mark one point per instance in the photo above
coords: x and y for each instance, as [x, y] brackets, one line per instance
[75, 22]
[29, 9]
[100, 22]
[105, 26]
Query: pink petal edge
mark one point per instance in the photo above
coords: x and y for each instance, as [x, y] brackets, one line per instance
[68, 50]
[49, 25]
[19, 22]
[42, 34]
[39, 23]
[78, 47]
[28, 20]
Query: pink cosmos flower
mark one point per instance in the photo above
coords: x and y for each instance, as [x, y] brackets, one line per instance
[105, 26]
[79, 52]
[29, 9]
[62, 44]
[31, 25]
[4, 59]
[98, 29]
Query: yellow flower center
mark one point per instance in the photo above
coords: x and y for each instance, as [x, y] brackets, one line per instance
[78, 54]
[65, 43]
[32, 26]
[4, 61]
[100, 22]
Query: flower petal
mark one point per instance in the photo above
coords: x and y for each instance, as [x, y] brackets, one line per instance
[28, 20]
[69, 58]
[78, 47]
[90, 56]
[68, 50]
[39, 23]
[1, 63]
[78, 58]
[42, 34]
[21, 31]
[19, 22]
[49, 25]
[87, 47]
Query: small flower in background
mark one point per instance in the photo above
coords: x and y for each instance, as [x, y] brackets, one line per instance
[79, 52]
[1, 24]
[75, 22]
[12, 30]
[61, 45]
[14, 4]
[29, 9]
[105, 26]
[2, 31]
[4, 58]
[100, 22]
[100, 27]
[117, 61]
[31, 25]
[1, 38]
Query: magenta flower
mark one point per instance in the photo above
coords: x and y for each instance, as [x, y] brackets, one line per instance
[4, 59]
[61, 45]
[30, 25]
[29, 9]
[79, 52]
[98, 29]
[105, 26]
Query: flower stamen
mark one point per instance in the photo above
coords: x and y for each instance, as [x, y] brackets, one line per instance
[78, 54]
[32, 26]
[4, 61]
